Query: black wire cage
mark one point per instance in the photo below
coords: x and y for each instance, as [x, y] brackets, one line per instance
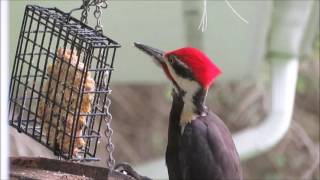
[60, 82]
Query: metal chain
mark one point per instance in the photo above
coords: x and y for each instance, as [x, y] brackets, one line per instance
[86, 8]
[108, 133]
[98, 12]
[99, 4]
[97, 15]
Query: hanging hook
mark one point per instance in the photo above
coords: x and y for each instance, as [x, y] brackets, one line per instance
[86, 4]
[98, 12]
[85, 7]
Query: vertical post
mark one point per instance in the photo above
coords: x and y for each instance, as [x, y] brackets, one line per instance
[192, 13]
[4, 85]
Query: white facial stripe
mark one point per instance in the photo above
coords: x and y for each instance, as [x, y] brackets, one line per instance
[171, 71]
[190, 87]
[186, 84]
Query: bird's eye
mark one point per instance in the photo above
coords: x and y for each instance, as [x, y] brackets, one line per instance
[171, 59]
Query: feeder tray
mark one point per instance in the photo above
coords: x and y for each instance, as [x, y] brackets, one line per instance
[60, 83]
[43, 168]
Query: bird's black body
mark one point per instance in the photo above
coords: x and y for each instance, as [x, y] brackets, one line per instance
[200, 146]
[204, 151]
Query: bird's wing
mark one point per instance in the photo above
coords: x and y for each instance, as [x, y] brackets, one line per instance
[210, 150]
[222, 146]
[199, 162]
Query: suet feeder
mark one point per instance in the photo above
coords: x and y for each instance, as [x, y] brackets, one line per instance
[60, 82]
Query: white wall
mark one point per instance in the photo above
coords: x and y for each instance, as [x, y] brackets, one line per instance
[234, 45]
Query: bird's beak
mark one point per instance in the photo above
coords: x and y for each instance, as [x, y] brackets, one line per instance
[158, 55]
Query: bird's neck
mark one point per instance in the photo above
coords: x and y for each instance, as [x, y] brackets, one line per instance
[191, 104]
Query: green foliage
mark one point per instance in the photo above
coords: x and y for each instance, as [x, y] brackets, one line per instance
[157, 141]
[168, 92]
[301, 85]
[280, 160]
[273, 176]
[316, 44]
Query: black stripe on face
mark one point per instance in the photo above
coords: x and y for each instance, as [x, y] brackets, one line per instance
[198, 100]
[180, 69]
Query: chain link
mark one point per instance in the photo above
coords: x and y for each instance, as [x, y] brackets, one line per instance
[99, 5]
[86, 8]
[108, 133]
[98, 12]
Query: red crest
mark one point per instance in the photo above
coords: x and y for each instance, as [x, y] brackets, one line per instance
[200, 64]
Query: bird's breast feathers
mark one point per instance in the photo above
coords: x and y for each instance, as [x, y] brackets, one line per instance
[188, 115]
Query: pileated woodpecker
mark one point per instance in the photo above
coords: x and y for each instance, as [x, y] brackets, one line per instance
[200, 145]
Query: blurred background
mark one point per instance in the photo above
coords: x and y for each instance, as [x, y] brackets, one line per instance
[243, 96]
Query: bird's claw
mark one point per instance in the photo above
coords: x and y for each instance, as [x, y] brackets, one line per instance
[126, 169]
